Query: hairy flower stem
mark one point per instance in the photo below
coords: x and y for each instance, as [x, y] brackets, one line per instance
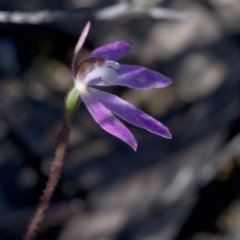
[62, 141]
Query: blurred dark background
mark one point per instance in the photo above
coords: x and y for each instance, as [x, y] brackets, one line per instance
[184, 188]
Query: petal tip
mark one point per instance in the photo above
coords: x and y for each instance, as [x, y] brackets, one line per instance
[127, 44]
[169, 137]
[134, 147]
[130, 44]
[167, 134]
[169, 81]
[133, 144]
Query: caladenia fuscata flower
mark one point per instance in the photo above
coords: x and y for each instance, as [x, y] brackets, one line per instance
[102, 69]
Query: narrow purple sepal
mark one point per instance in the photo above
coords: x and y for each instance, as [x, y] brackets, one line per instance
[107, 120]
[130, 113]
[112, 51]
[140, 78]
[78, 47]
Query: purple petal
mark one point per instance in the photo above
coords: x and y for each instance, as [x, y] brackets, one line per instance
[140, 78]
[78, 47]
[107, 120]
[130, 113]
[112, 51]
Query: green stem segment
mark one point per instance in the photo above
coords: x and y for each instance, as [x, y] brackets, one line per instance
[70, 106]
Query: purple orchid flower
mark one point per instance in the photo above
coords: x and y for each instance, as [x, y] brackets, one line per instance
[101, 69]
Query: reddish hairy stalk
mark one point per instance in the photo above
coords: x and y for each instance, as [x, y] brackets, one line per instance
[71, 103]
[62, 141]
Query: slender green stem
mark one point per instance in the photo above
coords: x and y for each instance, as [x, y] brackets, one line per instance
[62, 141]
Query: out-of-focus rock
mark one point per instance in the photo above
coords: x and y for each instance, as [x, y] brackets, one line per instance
[199, 76]
[9, 64]
[228, 12]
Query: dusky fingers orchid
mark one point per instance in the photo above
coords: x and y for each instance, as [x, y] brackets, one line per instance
[101, 69]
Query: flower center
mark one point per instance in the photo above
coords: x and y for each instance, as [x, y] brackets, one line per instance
[95, 71]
